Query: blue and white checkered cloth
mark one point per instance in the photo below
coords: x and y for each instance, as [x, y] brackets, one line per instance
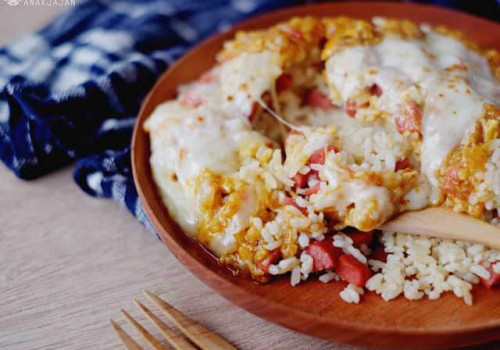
[71, 91]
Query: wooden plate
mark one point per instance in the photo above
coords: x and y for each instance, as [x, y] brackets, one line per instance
[313, 307]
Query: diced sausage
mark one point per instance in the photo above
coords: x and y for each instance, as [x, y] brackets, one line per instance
[402, 164]
[325, 255]
[300, 180]
[312, 190]
[273, 257]
[312, 176]
[293, 203]
[255, 107]
[351, 108]
[375, 90]
[315, 98]
[360, 237]
[494, 279]
[378, 253]
[349, 269]
[331, 215]
[319, 156]
[304, 180]
[284, 82]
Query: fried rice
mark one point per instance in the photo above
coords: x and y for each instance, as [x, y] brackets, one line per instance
[305, 137]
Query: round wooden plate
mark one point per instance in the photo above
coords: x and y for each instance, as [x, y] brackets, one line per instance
[313, 307]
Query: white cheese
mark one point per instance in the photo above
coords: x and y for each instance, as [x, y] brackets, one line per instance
[395, 65]
[245, 78]
[185, 141]
[449, 115]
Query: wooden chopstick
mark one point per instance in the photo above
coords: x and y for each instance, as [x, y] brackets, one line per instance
[126, 339]
[155, 343]
[178, 342]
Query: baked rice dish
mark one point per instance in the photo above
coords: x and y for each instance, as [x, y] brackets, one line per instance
[305, 137]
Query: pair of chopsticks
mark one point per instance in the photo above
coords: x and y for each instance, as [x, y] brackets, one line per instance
[192, 330]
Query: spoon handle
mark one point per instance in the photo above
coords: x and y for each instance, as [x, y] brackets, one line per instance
[445, 223]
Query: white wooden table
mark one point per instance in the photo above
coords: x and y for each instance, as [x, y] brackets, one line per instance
[69, 262]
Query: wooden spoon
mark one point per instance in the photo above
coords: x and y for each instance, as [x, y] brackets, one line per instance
[445, 223]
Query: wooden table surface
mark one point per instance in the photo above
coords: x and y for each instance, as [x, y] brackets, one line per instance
[69, 262]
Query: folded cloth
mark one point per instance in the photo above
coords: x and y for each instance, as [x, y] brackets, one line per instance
[72, 90]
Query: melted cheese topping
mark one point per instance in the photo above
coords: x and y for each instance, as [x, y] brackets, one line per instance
[452, 109]
[186, 141]
[453, 78]
[245, 79]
